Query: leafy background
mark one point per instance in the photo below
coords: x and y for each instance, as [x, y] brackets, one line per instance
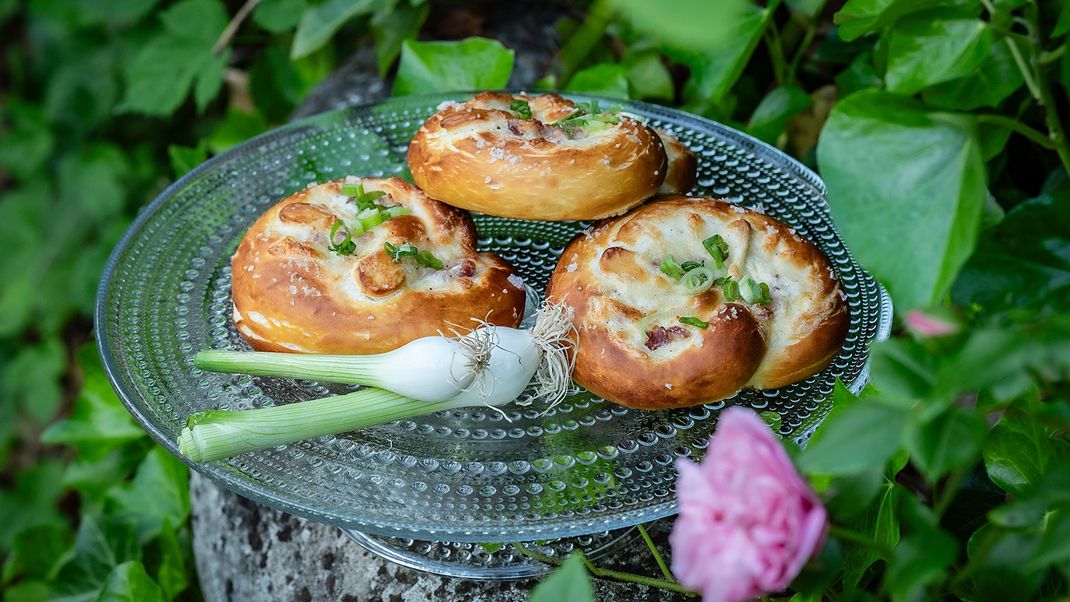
[936, 125]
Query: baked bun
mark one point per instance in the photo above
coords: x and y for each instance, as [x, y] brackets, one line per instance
[538, 157]
[296, 289]
[633, 348]
[683, 166]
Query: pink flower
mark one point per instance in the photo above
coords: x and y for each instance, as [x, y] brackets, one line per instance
[931, 324]
[748, 522]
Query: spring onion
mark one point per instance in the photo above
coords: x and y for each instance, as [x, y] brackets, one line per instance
[718, 249]
[698, 280]
[730, 288]
[754, 292]
[423, 258]
[346, 246]
[693, 321]
[498, 364]
[670, 268]
[687, 266]
[521, 108]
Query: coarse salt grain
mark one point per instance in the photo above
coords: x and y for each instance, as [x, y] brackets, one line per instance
[516, 281]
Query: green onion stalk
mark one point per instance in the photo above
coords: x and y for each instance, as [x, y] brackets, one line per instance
[488, 366]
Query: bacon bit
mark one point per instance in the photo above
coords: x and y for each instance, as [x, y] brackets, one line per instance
[514, 128]
[466, 269]
[663, 336]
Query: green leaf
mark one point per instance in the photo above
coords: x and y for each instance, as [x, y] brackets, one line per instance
[1054, 546]
[859, 17]
[606, 79]
[923, 554]
[696, 24]
[907, 189]
[904, 369]
[810, 8]
[37, 552]
[1023, 260]
[26, 141]
[951, 440]
[471, 64]
[82, 92]
[278, 16]
[92, 475]
[1020, 450]
[1032, 502]
[392, 28]
[237, 127]
[101, 545]
[771, 115]
[118, 13]
[210, 80]
[31, 378]
[320, 21]
[715, 72]
[99, 423]
[160, 76]
[1062, 25]
[997, 78]
[861, 436]
[859, 75]
[570, 582]
[159, 493]
[28, 591]
[172, 572]
[933, 47]
[93, 178]
[883, 526]
[648, 78]
[1000, 559]
[129, 582]
[184, 158]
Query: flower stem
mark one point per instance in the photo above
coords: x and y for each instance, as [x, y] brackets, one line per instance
[606, 573]
[219, 434]
[1017, 126]
[657, 555]
[1047, 101]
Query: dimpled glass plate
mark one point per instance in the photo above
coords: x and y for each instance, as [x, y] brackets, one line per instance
[476, 475]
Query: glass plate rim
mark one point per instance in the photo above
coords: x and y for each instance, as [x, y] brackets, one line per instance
[221, 476]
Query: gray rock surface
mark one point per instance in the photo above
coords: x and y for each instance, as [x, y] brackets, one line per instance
[245, 551]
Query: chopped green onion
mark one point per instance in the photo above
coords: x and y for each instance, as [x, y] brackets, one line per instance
[670, 268]
[366, 200]
[718, 249]
[347, 246]
[396, 211]
[693, 321]
[352, 189]
[370, 218]
[687, 266]
[698, 280]
[521, 108]
[754, 292]
[731, 289]
[424, 258]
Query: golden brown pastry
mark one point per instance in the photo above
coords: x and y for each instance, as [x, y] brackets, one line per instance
[542, 157]
[686, 300]
[309, 277]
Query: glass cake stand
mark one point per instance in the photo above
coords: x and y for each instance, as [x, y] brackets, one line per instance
[425, 491]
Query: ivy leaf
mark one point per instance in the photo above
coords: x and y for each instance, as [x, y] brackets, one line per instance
[129, 582]
[278, 16]
[1001, 561]
[923, 554]
[714, 73]
[810, 8]
[1032, 502]
[859, 17]
[31, 501]
[184, 158]
[471, 64]
[883, 526]
[859, 75]
[26, 141]
[934, 46]
[93, 178]
[1022, 261]
[82, 93]
[37, 552]
[997, 78]
[319, 22]
[951, 440]
[570, 582]
[172, 572]
[391, 28]
[160, 76]
[907, 189]
[697, 24]
[1020, 451]
[101, 545]
[771, 115]
[606, 79]
[99, 423]
[158, 494]
[859, 437]
[648, 78]
[31, 378]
